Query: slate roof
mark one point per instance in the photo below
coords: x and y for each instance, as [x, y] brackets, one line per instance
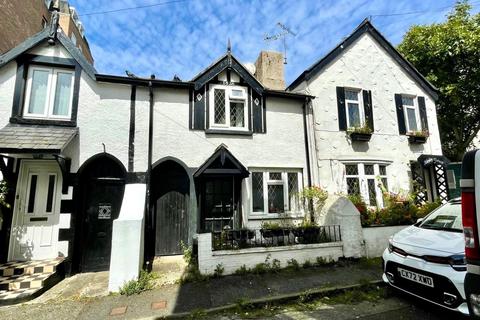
[42, 36]
[366, 27]
[16, 138]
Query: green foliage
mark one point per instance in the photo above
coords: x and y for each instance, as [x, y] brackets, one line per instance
[271, 225]
[307, 264]
[422, 133]
[3, 194]
[447, 54]
[187, 253]
[243, 270]
[321, 261]
[293, 264]
[398, 210]
[365, 129]
[275, 266]
[317, 195]
[145, 281]
[219, 269]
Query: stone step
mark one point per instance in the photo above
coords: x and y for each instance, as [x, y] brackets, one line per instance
[27, 281]
[29, 267]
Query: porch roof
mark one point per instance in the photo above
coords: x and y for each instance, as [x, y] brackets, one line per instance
[16, 138]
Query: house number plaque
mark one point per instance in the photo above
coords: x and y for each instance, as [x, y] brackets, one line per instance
[104, 211]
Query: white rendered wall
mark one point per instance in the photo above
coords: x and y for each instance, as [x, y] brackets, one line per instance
[376, 239]
[7, 89]
[232, 260]
[127, 238]
[367, 66]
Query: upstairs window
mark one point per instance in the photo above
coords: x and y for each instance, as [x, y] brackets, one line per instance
[48, 93]
[412, 117]
[353, 103]
[228, 108]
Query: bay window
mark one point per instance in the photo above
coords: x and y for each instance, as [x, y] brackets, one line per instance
[275, 192]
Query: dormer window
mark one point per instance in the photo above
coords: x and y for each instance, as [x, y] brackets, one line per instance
[48, 93]
[228, 108]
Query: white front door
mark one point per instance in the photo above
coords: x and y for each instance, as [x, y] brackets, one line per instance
[34, 232]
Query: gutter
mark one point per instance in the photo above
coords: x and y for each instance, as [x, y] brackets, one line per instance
[307, 153]
[143, 81]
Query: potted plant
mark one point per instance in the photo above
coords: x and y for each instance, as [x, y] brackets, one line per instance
[272, 229]
[307, 232]
[417, 137]
[242, 236]
[362, 134]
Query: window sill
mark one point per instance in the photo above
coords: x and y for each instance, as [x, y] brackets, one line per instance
[272, 216]
[230, 132]
[65, 123]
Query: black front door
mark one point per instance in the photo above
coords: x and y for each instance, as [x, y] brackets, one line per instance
[103, 199]
[220, 204]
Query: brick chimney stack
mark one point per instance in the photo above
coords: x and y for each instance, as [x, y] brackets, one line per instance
[270, 70]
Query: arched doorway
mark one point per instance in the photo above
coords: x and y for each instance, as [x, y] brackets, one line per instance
[100, 194]
[170, 193]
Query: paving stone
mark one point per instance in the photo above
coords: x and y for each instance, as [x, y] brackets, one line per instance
[118, 311]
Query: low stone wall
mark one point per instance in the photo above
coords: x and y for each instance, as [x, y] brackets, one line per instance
[232, 260]
[376, 239]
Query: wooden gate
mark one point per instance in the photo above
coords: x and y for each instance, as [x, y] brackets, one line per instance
[170, 198]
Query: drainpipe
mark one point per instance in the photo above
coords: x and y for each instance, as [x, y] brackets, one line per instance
[149, 215]
[307, 154]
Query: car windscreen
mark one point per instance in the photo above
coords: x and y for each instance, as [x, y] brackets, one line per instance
[448, 217]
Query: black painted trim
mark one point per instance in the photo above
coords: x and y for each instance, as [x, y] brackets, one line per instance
[223, 153]
[342, 112]
[366, 27]
[131, 133]
[368, 108]
[250, 114]
[400, 116]
[264, 113]
[286, 94]
[66, 206]
[143, 81]
[190, 108]
[229, 132]
[206, 112]
[23, 63]
[136, 177]
[48, 60]
[422, 109]
[29, 150]
[199, 109]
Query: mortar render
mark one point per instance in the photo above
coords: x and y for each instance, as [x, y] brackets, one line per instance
[127, 238]
[366, 65]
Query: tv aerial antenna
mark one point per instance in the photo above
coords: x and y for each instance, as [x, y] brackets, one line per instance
[282, 35]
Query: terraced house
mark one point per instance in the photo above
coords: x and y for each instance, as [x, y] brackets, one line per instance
[106, 172]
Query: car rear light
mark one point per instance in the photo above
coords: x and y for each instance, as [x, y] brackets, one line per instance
[470, 229]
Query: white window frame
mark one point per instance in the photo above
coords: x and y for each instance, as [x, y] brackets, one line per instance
[361, 109]
[50, 97]
[363, 180]
[417, 113]
[284, 182]
[228, 98]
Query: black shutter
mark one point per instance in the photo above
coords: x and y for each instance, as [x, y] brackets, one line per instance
[342, 116]
[400, 115]
[423, 113]
[368, 108]
[257, 113]
[199, 109]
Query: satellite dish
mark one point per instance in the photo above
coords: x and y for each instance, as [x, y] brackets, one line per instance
[250, 67]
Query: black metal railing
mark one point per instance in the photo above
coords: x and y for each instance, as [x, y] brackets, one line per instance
[249, 238]
[217, 224]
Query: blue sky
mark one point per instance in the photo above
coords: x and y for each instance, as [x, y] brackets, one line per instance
[185, 37]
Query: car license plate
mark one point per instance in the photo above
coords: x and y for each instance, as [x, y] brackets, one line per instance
[416, 277]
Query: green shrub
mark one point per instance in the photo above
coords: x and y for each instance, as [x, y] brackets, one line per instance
[307, 264]
[275, 267]
[144, 282]
[219, 269]
[242, 270]
[293, 264]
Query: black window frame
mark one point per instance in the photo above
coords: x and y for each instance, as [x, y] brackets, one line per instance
[24, 61]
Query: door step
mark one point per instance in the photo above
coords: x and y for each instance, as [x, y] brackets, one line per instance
[24, 280]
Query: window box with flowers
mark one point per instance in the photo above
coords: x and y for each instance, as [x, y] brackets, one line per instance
[417, 137]
[361, 134]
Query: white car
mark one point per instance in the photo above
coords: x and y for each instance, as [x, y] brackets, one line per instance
[427, 260]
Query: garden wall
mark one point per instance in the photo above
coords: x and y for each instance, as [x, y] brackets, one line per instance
[376, 239]
[232, 260]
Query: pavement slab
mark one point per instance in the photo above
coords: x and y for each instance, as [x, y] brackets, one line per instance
[68, 302]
